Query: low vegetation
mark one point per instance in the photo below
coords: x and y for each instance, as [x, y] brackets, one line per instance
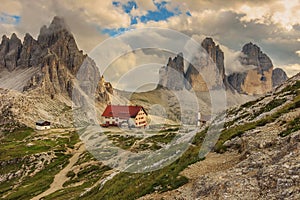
[268, 107]
[20, 148]
[131, 186]
[292, 126]
[238, 130]
[35, 185]
[292, 88]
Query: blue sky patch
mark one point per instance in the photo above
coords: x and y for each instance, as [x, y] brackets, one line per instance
[9, 19]
[160, 14]
[129, 6]
[114, 31]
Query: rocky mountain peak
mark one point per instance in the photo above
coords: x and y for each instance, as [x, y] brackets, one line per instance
[54, 59]
[215, 53]
[4, 37]
[278, 77]
[260, 79]
[172, 75]
[57, 31]
[177, 63]
[31, 52]
[59, 41]
[254, 56]
[14, 42]
[4, 44]
[28, 37]
[14, 37]
[58, 23]
[10, 52]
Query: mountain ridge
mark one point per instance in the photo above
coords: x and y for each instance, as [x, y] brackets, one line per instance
[55, 54]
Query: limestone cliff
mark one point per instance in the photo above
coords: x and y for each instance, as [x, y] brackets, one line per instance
[204, 76]
[56, 58]
[259, 80]
[199, 76]
[278, 77]
[171, 76]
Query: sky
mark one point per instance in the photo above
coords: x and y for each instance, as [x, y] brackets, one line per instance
[274, 25]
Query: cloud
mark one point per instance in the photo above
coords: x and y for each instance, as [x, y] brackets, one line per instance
[232, 62]
[136, 69]
[162, 12]
[83, 17]
[274, 25]
[298, 53]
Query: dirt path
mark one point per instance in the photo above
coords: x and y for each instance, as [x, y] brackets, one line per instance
[61, 177]
[213, 163]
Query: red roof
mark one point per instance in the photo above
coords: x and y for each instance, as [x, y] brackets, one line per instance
[122, 111]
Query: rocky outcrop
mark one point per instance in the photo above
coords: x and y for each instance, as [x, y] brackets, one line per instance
[216, 54]
[254, 56]
[194, 80]
[31, 52]
[278, 77]
[260, 78]
[236, 80]
[56, 55]
[10, 50]
[201, 76]
[204, 75]
[59, 41]
[198, 76]
[172, 75]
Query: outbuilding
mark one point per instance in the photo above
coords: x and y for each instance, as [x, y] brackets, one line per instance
[42, 125]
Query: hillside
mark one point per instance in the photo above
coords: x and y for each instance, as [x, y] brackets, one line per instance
[42, 77]
[257, 155]
[260, 153]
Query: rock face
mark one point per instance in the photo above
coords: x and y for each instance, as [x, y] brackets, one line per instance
[56, 55]
[30, 54]
[278, 77]
[254, 56]
[10, 52]
[236, 80]
[201, 76]
[216, 54]
[172, 75]
[197, 77]
[259, 80]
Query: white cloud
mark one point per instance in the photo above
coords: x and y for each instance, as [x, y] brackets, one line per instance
[274, 25]
[84, 18]
[146, 5]
[10, 6]
[231, 61]
[136, 69]
[298, 53]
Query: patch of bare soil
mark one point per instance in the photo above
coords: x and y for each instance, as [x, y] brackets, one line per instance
[213, 163]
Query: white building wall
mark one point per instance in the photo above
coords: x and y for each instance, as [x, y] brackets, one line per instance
[42, 127]
[141, 119]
